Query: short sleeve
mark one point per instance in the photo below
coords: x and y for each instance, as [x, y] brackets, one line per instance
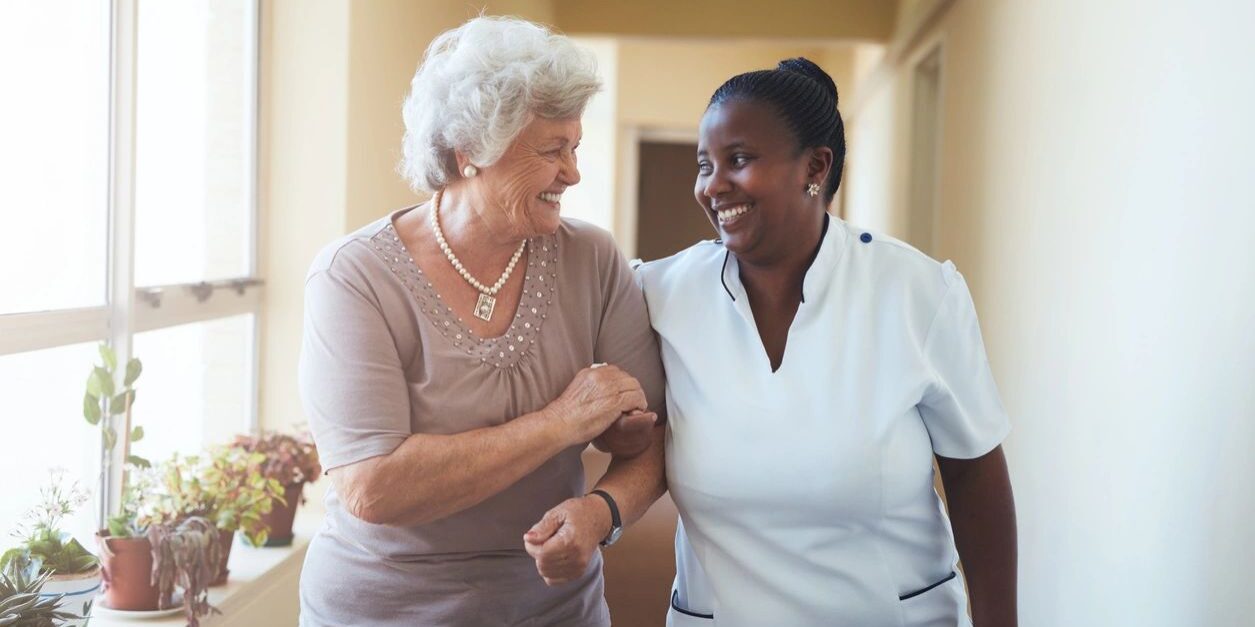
[350, 376]
[961, 409]
[625, 338]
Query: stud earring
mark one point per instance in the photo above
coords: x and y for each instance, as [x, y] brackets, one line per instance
[812, 190]
[470, 171]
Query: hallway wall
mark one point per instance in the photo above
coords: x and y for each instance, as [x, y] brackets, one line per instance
[1095, 191]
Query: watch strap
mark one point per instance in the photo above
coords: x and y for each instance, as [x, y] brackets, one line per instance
[616, 523]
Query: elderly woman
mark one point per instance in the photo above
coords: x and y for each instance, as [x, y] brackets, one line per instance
[452, 364]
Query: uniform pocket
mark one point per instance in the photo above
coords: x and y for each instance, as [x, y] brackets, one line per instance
[944, 580]
[681, 616]
[941, 604]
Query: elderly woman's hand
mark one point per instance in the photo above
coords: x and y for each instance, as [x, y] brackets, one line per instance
[596, 398]
[562, 543]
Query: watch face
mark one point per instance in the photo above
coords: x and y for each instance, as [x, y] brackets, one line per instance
[614, 536]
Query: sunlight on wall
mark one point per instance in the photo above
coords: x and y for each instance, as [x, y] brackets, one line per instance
[593, 199]
[1094, 192]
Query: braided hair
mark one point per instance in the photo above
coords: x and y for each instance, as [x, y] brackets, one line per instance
[807, 99]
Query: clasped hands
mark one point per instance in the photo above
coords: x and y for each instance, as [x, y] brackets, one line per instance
[606, 405]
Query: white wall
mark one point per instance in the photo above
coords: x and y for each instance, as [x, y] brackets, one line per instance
[1096, 192]
[593, 200]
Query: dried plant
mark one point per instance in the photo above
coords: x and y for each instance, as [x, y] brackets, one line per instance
[291, 459]
[186, 555]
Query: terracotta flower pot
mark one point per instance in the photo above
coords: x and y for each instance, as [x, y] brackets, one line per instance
[126, 566]
[225, 541]
[281, 516]
[80, 590]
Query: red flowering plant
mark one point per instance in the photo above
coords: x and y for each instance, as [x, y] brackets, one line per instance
[291, 459]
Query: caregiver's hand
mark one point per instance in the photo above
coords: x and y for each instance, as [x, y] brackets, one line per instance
[595, 399]
[562, 543]
[628, 436]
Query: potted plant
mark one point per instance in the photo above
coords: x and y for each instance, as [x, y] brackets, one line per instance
[125, 552]
[291, 460]
[145, 552]
[71, 571]
[186, 555]
[22, 600]
[226, 487]
[153, 553]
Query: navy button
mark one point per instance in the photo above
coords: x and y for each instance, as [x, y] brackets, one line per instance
[866, 237]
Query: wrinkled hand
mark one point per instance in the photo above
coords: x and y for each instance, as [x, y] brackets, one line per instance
[564, 540]
[595, 399]
[628, 436]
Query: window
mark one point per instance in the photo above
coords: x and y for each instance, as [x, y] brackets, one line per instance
[193, 166]
[44, 429]
[128, 218]
[54, 160]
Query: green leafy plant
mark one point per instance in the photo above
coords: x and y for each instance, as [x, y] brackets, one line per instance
[226, 487]
[108, 407]
[20, 601]
[290, 458]
[103, 403]
[186, 554]
[41, 538]
[133, 515]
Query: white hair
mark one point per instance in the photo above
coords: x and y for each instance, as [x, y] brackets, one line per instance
[479, 85]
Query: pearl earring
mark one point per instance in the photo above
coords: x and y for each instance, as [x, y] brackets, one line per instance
[470, 171]
[812, 190]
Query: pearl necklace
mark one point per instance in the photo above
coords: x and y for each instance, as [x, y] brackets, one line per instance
[487, 295]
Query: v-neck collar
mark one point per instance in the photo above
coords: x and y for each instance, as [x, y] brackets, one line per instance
[815, 285]
[818, 275]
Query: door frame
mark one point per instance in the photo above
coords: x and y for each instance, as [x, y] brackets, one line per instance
[626, 211]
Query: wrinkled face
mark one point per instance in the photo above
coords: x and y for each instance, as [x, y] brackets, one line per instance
[751, 178]
[525, 186]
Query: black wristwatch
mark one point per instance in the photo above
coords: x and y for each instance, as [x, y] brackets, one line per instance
[616, 523]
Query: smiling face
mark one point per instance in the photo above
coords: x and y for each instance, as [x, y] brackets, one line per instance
[524, 187]
[751, 179]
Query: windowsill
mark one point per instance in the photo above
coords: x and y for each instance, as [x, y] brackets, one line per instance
[255, 574]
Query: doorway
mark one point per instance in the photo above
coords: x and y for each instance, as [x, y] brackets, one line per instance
[668, 219]
[925, 142]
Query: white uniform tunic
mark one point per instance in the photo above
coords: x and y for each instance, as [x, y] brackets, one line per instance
[806, 495]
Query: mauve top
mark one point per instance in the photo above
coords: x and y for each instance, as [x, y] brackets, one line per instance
[383, 357]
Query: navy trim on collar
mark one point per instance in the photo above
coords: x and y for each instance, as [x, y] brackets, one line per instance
[723, 267]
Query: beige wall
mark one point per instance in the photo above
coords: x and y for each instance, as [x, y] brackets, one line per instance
[1095, 191]
[302, 185]
[666, 84]
[796, 19]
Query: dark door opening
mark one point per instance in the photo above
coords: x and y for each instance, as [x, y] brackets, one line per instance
[668, 219]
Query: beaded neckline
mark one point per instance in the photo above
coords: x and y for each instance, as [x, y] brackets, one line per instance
[540, 286]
